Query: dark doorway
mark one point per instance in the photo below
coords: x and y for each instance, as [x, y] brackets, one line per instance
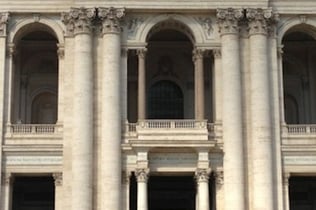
[302, 193]
[33, 193]
[171, 193]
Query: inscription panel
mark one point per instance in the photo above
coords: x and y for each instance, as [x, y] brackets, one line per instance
[32, 160]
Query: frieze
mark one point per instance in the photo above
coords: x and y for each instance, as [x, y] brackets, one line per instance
[32, 160]
[299, 160]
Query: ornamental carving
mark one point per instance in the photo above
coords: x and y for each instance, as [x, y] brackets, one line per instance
[261, 21]
[202, 175]
[58, 177]
[198, 54]
[111, 18]
[142, 174]
[141, 52]
[228, 20]
[79, 20]
[6, 178]
[133, 24]
[217, 53]
[4, 17]
[219, 178]
[206, 24]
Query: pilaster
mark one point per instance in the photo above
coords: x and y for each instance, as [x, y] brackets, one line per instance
[6, 188]
[219, 191]
[58, 180]
[286, 199]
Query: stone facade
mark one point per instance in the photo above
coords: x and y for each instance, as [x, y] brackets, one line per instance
[102, 97]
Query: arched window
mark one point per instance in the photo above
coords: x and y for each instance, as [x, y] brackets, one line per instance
[165, 101]
[44, 109]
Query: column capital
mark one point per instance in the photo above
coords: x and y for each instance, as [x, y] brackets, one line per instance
[280, 51]
[141, 52]
[219, 177]
[7, 178]
[198, 53]
[4, 17]
[217, 53]
[286, 178]
[202, 175]
[111, 18]
[261, 21]
[58, 178]
[60, 51]
[11, 50]
[78, 20]
[142, 174]
[228, 20]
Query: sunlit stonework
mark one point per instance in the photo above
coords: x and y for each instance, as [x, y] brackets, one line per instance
[158, 105]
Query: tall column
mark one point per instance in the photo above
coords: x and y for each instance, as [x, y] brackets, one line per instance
[58, 180]
[219, 182]
[7, 186]
[78, 22]
[111, 169]
[286, 199]
[198, 55]
[141, 84]
[142, 194]
[234, 187]
[261, 109]
[202, 178]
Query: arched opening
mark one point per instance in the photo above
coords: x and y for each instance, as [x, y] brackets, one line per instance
[169, 57]
[35, 71]
[165, 101]
[299, 75]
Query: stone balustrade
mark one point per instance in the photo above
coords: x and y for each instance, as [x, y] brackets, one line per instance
[300, 129]
[34, 129]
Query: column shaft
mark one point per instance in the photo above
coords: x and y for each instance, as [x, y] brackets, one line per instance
[142, 197]
[217, 86]
[82, 124]
[261, 109]
[286, 199]
[58, 191]
[6, 196]
[232, 124]
[202, 178]
[60, 105]
[199, 84]
[111, 122]
[124, 57]
[141, 84]
[10, 82]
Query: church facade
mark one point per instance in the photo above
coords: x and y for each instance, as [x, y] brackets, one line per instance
[146, 105]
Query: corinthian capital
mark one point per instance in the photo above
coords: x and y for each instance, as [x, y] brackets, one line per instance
[261, 21]
[111, 18]
[78, 20]
[202, 175]
[4, 17]
[228, 20]
[142, 174]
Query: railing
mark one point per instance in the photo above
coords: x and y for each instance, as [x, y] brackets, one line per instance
[172, 124]
[33, 128]
[301, 129]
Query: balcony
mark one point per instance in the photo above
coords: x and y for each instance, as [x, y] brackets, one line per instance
[299, 135]
[33, 134]
[170, 132]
